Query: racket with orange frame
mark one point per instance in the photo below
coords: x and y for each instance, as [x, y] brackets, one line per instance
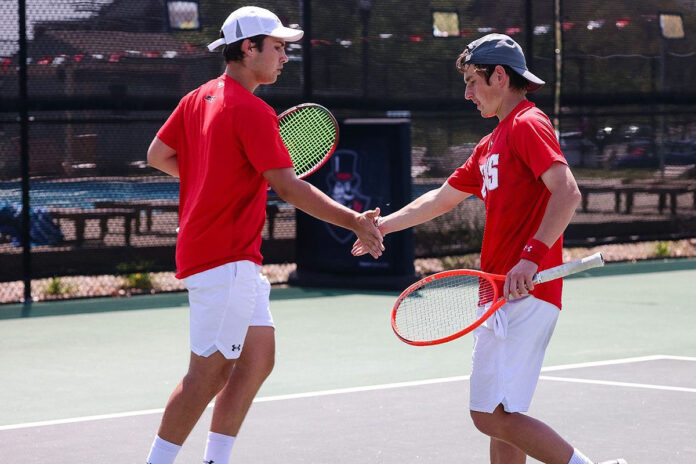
[310, 133]
[446, 305]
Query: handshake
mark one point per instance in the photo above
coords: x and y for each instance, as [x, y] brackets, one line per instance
[370, 231]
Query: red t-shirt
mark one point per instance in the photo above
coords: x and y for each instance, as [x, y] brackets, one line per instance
[225, 138]
[505, 172]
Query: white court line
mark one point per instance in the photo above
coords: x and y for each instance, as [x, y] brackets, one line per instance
[389, 386]
[618, 384]
[617, 361]
[338, 391]
[72, 420]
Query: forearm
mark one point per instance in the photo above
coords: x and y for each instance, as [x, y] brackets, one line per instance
[169, 166]
[314, 202]
[559, 212]
[565, 198]
[424, 208]
[163, 157]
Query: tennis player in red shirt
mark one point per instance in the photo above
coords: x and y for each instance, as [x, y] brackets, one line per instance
[530, 196]
[224, 144]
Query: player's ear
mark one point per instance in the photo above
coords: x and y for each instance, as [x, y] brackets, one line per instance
[499, 74]
[247, 47]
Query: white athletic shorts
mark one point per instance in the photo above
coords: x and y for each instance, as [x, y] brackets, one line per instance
[508, 353]
[224, 302]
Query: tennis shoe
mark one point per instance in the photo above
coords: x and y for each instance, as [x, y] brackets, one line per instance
[614, 461]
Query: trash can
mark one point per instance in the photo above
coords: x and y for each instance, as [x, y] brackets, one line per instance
[370, 168]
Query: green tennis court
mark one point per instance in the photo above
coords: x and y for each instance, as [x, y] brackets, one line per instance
[86, 380]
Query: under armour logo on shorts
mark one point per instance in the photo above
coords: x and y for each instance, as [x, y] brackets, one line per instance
[236, 347]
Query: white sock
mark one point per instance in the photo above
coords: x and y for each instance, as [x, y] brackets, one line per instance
[162, 452]
[218, 448]
[579, 458]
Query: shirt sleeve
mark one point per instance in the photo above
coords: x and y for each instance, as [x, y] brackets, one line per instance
[260, 136]
[467, 178]
[170, 132]
[535, 142]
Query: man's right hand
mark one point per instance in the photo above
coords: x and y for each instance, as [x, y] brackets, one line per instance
[369, 236]
[359, 248]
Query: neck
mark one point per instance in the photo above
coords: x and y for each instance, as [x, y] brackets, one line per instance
[241, 74]
[508, 103]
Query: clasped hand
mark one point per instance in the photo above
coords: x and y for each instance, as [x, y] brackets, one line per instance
[370, 238]
[361, 247]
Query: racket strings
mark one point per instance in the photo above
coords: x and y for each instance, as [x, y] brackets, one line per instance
[442, 307]
[309, 134]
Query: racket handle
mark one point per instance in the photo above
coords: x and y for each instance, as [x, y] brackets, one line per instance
[589, 262]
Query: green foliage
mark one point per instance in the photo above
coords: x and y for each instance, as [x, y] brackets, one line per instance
[139, 281]
[56, 287]
[662, 250]
[142, 265]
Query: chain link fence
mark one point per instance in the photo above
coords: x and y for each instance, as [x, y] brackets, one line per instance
[84, 86]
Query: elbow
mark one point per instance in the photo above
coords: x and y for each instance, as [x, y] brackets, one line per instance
[151, 158]
[575, 196]
[572, 197]
[285, 190]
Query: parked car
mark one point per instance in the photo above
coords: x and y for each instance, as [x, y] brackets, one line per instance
[623, 133]
[638, 153]
[681, 153]
[579, 151]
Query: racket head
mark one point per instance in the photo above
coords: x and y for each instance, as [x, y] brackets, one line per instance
[310, 133]
[445, 306]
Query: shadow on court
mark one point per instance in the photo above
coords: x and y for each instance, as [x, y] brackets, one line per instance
[75, 361]
[641, 409]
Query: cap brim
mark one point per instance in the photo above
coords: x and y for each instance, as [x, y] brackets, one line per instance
[213, 45]
[534, 82]
[287, 34]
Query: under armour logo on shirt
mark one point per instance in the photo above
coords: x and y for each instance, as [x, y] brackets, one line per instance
[528, 248]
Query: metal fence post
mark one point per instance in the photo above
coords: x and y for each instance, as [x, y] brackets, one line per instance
[24, 150]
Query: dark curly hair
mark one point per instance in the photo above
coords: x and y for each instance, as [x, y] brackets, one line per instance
[517, 82]
[233, 51]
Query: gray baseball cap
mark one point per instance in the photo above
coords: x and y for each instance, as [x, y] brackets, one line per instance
[501, 49]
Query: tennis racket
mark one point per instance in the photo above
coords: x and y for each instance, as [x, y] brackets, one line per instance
[310, 133]
[445, 306]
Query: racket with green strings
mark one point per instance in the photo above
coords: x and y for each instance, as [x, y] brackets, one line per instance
[310, 133]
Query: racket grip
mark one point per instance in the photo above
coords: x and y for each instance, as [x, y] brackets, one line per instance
[589, 262]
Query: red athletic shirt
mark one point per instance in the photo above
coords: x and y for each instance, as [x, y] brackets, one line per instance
[505, 172]
[225, 138]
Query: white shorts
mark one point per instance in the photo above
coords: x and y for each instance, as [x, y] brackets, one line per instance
[224, 302]
[508, 353]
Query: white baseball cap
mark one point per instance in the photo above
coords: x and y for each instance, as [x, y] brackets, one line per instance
[250, 21]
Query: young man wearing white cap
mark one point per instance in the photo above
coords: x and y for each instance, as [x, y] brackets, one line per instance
[224, 145]
[530, 197]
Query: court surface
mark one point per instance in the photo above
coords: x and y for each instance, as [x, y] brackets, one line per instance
[86, 381]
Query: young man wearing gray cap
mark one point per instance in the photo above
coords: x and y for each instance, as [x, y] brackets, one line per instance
[224, 145]
[530, 197]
